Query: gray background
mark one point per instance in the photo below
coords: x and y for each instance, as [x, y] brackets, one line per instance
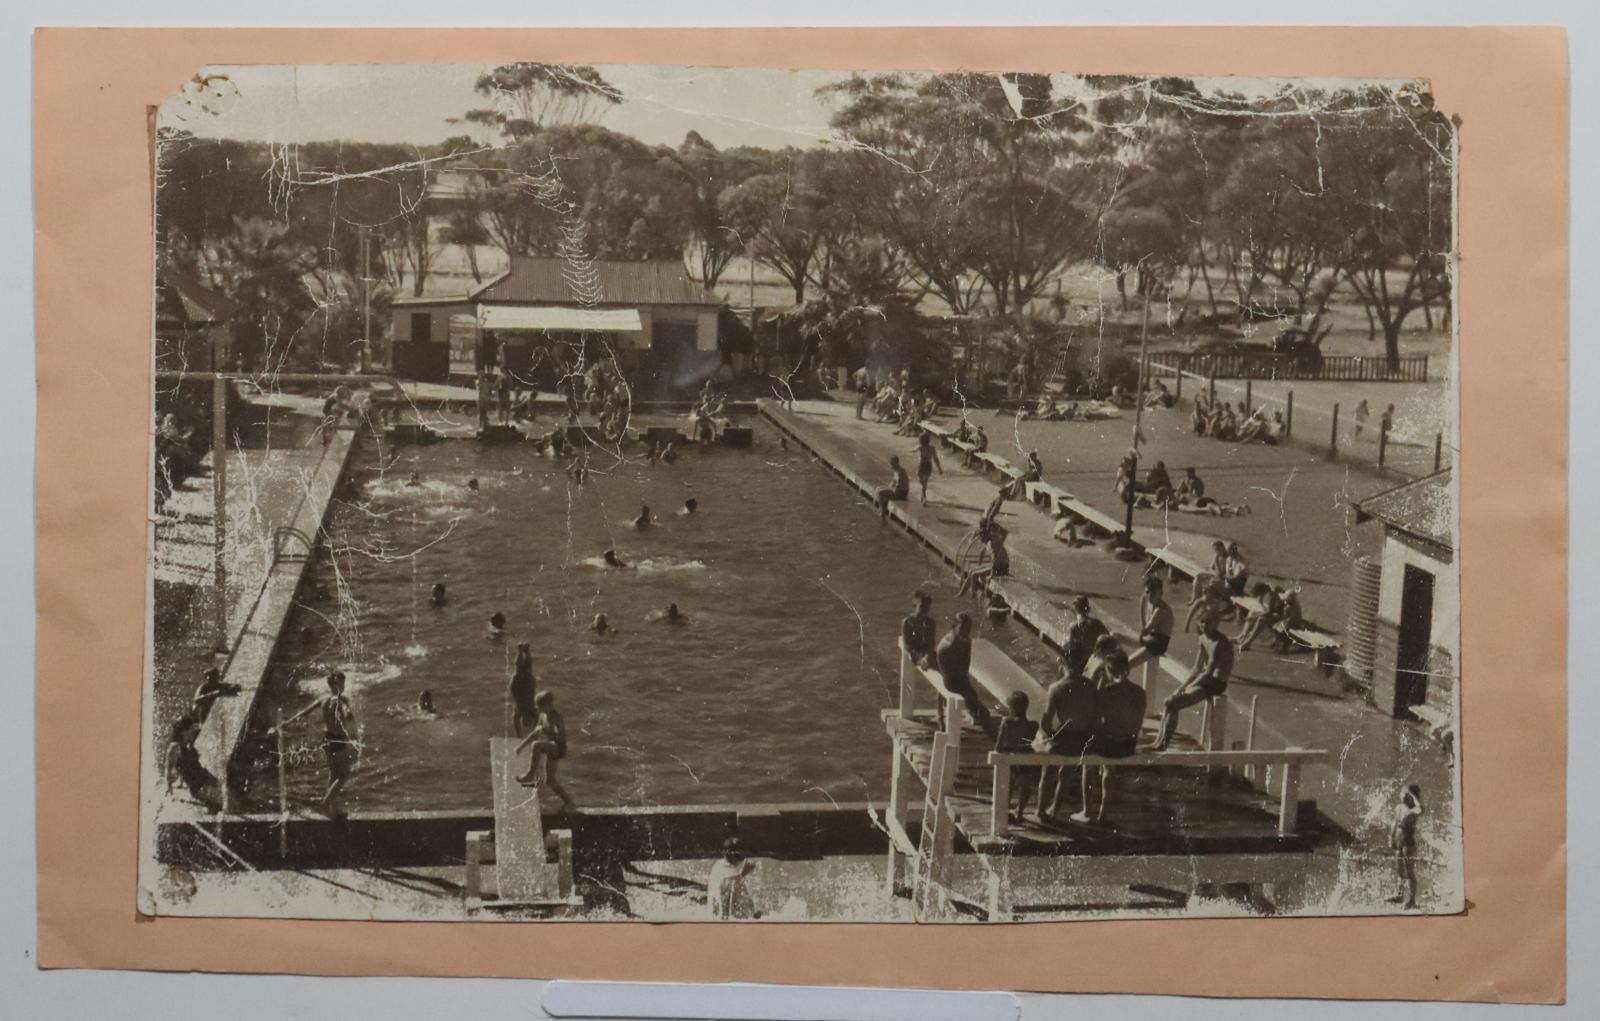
[27, 992]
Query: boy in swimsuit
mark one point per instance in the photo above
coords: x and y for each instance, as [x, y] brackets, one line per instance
[899, 487]
[927, 460]
[549, 741]
[1118, 716]
[1155, 623]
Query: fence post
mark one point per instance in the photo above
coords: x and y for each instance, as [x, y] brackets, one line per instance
[1178, 396]
[283, 794]
[1438, 450]
[1288, 418]
[1333, 436]
[1383, 441]
[1213, 384]
[1249, 401]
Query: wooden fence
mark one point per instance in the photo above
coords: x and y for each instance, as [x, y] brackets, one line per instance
[1266, 365]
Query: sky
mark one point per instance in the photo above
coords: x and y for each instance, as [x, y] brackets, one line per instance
[414, 103]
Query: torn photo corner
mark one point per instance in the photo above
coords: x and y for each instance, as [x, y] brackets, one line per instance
[674, 493]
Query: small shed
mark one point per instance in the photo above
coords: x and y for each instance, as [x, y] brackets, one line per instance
[541, 313]
[1418, 619]
[191, 323]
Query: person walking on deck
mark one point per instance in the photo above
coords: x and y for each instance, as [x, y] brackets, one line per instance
[1213, 665]
[338, 718]
[1016, 734]
[954, 658]
[899, 487]
[549, 741]
[917, 632]
[927, 460]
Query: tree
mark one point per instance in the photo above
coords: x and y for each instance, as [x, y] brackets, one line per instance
[1391, 159]
[783, 215]
[530, 96]
[260, 266]
[710, 176]
[970, 174]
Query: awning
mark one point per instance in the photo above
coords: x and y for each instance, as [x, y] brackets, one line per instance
[559, 317]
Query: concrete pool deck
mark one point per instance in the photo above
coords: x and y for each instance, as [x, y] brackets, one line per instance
[1310, 538]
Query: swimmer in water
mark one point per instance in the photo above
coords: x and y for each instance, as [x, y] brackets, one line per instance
[600, 627]
[652, 452]
[472, 484]
[611, 559]
[783, 443]
[425, 702]
[673, 615]
[437, 595]
[497, 625]
[644, 520]
[414, 480]
[691, 505]
[668, 455]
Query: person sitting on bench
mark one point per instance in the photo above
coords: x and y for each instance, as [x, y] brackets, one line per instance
[1155, 623]
[1266, 617]
[899, 487]
[1034, 472]
[1213, 665]
[954, 658]
[1119, 707]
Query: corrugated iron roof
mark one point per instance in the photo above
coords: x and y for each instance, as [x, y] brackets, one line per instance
[1422, 507]
[534, 279]
[180, 298]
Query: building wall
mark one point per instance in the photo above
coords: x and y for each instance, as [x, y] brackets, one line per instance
[400, 318]
[1399, 551]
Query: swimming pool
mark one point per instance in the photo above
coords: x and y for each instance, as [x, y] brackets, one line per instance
[770, 692]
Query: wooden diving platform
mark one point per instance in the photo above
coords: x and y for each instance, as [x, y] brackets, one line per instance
[1199, 802]
[518, 847]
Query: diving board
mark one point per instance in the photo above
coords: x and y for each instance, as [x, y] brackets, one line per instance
[524, 874]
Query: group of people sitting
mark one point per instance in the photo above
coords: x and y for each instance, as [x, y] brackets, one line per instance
[1219, 420]
[1157, 490]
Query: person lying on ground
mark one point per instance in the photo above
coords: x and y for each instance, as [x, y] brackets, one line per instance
[899, 487]
[1119, 709]
[1015, 734]
[1213, 665]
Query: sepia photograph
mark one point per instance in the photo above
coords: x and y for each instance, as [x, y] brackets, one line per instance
[680, 493]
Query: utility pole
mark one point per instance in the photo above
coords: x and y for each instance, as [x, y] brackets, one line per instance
[1138, 413]
[219, 508]
[366, 301]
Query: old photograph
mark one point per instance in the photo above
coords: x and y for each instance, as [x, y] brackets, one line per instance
[672, 493]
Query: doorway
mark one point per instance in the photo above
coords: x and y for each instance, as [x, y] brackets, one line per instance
[1415, 640]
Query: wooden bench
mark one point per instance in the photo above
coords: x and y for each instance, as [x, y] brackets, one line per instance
[1176, 561]
[1047, 496]
[936, 430]
[998, 463]
[1100, 519]
[1320, 643]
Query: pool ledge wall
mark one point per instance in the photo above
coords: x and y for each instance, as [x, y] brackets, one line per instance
[227, 725]
[602, 837]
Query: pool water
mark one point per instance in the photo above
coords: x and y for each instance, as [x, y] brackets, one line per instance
[771, 691]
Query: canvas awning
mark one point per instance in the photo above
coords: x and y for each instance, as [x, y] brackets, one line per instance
[559, 317]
